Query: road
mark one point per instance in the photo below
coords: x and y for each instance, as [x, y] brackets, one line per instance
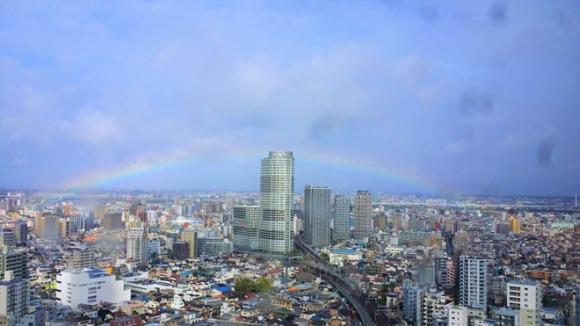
[342, 286]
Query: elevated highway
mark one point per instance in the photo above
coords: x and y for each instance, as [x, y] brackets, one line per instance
[342, 286]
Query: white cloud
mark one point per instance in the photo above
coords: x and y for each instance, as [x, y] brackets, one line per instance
[95, 127]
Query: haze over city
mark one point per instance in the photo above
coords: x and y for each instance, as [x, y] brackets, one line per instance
[462, 97]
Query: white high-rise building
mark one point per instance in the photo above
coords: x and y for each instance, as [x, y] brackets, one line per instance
[276, 190]
[526, 296]
[89, 286]
[137, 245]
[473, 282]
[317, 216]
[363, 213]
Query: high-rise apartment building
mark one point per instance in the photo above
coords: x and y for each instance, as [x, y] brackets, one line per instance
[246, 227]
[14, 260]
[14, 299]
[276, 189]
[317, 216]
[137, 244]
[526, 296]
[363, 214]
[473, 282]
[341, 218]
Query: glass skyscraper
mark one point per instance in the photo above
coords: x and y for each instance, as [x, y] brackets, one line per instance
[276, 189]
[341, 218]
[317, 215]
[246, 223]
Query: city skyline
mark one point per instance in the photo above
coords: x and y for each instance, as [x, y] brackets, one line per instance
[399, 97]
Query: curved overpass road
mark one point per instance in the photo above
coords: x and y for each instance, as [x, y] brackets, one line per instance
[337, 281]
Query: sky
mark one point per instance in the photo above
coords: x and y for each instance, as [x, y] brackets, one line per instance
[462, 97]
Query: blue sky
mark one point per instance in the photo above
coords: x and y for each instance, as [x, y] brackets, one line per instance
[474, 97]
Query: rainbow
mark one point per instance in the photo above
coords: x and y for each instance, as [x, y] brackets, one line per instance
[148, 165]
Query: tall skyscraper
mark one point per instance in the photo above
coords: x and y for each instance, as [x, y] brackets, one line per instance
[317, 215]
[137, 243]
[473, 282]
[526, 296]
[341, 218]
[363, 213]
[276, 189]
[246, 227]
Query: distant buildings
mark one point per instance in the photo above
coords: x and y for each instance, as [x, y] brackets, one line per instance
[47, 227]
[363, 214]
[317, 216]
[112, 221]
[473, 282]
[276, 191]
[341, 218]
[89, 286]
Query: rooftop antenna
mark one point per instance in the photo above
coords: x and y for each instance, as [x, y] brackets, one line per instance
[576, 200]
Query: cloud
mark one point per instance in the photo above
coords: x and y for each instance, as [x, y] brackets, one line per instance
[474, 103]
[94, 127]
[498, 12]
[545, 152]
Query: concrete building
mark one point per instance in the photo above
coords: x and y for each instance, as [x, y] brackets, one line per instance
[8, 238]
[213, 246]
[80, 259]
[276, 190]
[14, 260]
[190, 237]
[246, 227]
[137, 245]
[21, 230]
[526, 296]
[89, 286]
[317, 216]
[432, 307]
[14, 299]
[410, 292]
[458, 316]
[505, 317]
[47, 227]
[341, 218]
[473, 282]
[112, 221]
[180, 250]
[363, 214]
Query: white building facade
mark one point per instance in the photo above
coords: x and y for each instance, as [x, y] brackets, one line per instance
[90, 286]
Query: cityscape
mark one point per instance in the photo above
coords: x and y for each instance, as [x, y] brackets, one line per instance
[289, 163]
